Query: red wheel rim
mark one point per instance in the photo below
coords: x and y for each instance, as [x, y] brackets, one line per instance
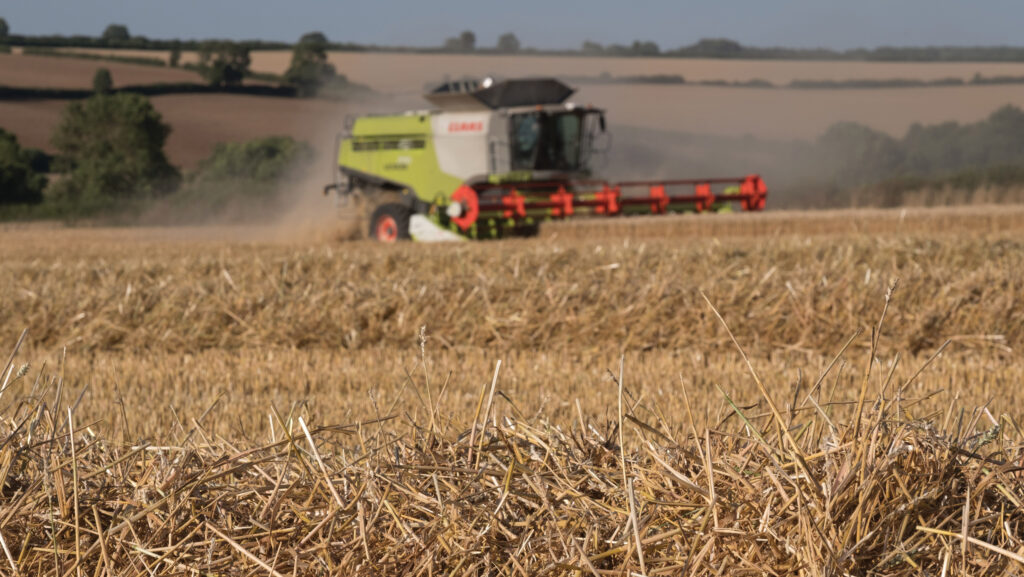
[387, 229]
[471, 205]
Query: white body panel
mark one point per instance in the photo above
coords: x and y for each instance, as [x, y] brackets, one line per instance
[461, 140]
[422, 229]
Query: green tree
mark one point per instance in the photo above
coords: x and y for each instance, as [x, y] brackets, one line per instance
[310, 69]
[224, 63]
[314, 39]
[590, 47]
[4, 29]
[508, 43]
[468, 40]
[114, 144]
[715, 48]
[102, 82]
[646, 48]
[19, 181]
[240, 180]
[999, 139]
[116, 34]
[175, 57]
[262, 160]
[465, 42]
[856, 154]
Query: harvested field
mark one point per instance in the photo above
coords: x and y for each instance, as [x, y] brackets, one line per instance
[787, 393]
[817, 224]
[399, 71]
[404, 71]
[803, 292]
[794, 492]
[240, 400]
[795, 286]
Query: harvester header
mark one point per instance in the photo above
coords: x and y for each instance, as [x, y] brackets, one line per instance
[495, 159]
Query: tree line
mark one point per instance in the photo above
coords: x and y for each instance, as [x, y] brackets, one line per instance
[118, 36]
[855, 155]
[226, 64]
[725, 48]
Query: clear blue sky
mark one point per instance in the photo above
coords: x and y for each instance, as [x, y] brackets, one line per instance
[542, 23]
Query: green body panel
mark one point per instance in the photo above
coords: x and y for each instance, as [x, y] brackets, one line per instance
[399, 150]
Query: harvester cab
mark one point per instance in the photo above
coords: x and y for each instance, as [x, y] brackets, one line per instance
[495, 159]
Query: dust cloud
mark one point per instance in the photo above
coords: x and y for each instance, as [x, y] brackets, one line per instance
[305, 213]
[296, 211]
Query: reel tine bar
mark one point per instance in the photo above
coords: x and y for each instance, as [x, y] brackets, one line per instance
[516, 201]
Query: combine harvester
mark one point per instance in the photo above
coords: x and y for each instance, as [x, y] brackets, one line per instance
[496, 159]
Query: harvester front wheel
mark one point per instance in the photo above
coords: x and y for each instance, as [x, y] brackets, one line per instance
[390, 223]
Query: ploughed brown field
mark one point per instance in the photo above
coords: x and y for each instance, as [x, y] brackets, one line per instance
[239, 400]
[28, 71]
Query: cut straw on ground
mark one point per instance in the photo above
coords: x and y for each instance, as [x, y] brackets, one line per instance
[515, 495]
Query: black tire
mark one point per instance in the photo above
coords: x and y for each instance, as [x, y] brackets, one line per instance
[390, 223]
[528, 230]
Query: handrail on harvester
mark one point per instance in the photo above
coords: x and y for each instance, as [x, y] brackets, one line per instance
[516, 200]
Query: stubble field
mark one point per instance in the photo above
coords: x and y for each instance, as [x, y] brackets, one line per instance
[239, 400]
[794, 288]
[269, 400]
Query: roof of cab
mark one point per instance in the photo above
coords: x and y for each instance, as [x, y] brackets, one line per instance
[490, 95]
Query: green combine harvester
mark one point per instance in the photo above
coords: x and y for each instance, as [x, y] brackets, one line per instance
[495, 159]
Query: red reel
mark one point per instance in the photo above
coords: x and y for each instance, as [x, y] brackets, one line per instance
[755, 193]
[705, 198]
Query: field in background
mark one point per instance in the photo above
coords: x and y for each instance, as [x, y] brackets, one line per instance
[787, 114]
[401, 71]
[199, 122]
[262, 399]
[28, 71]
[398, 71]
[400, 78]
